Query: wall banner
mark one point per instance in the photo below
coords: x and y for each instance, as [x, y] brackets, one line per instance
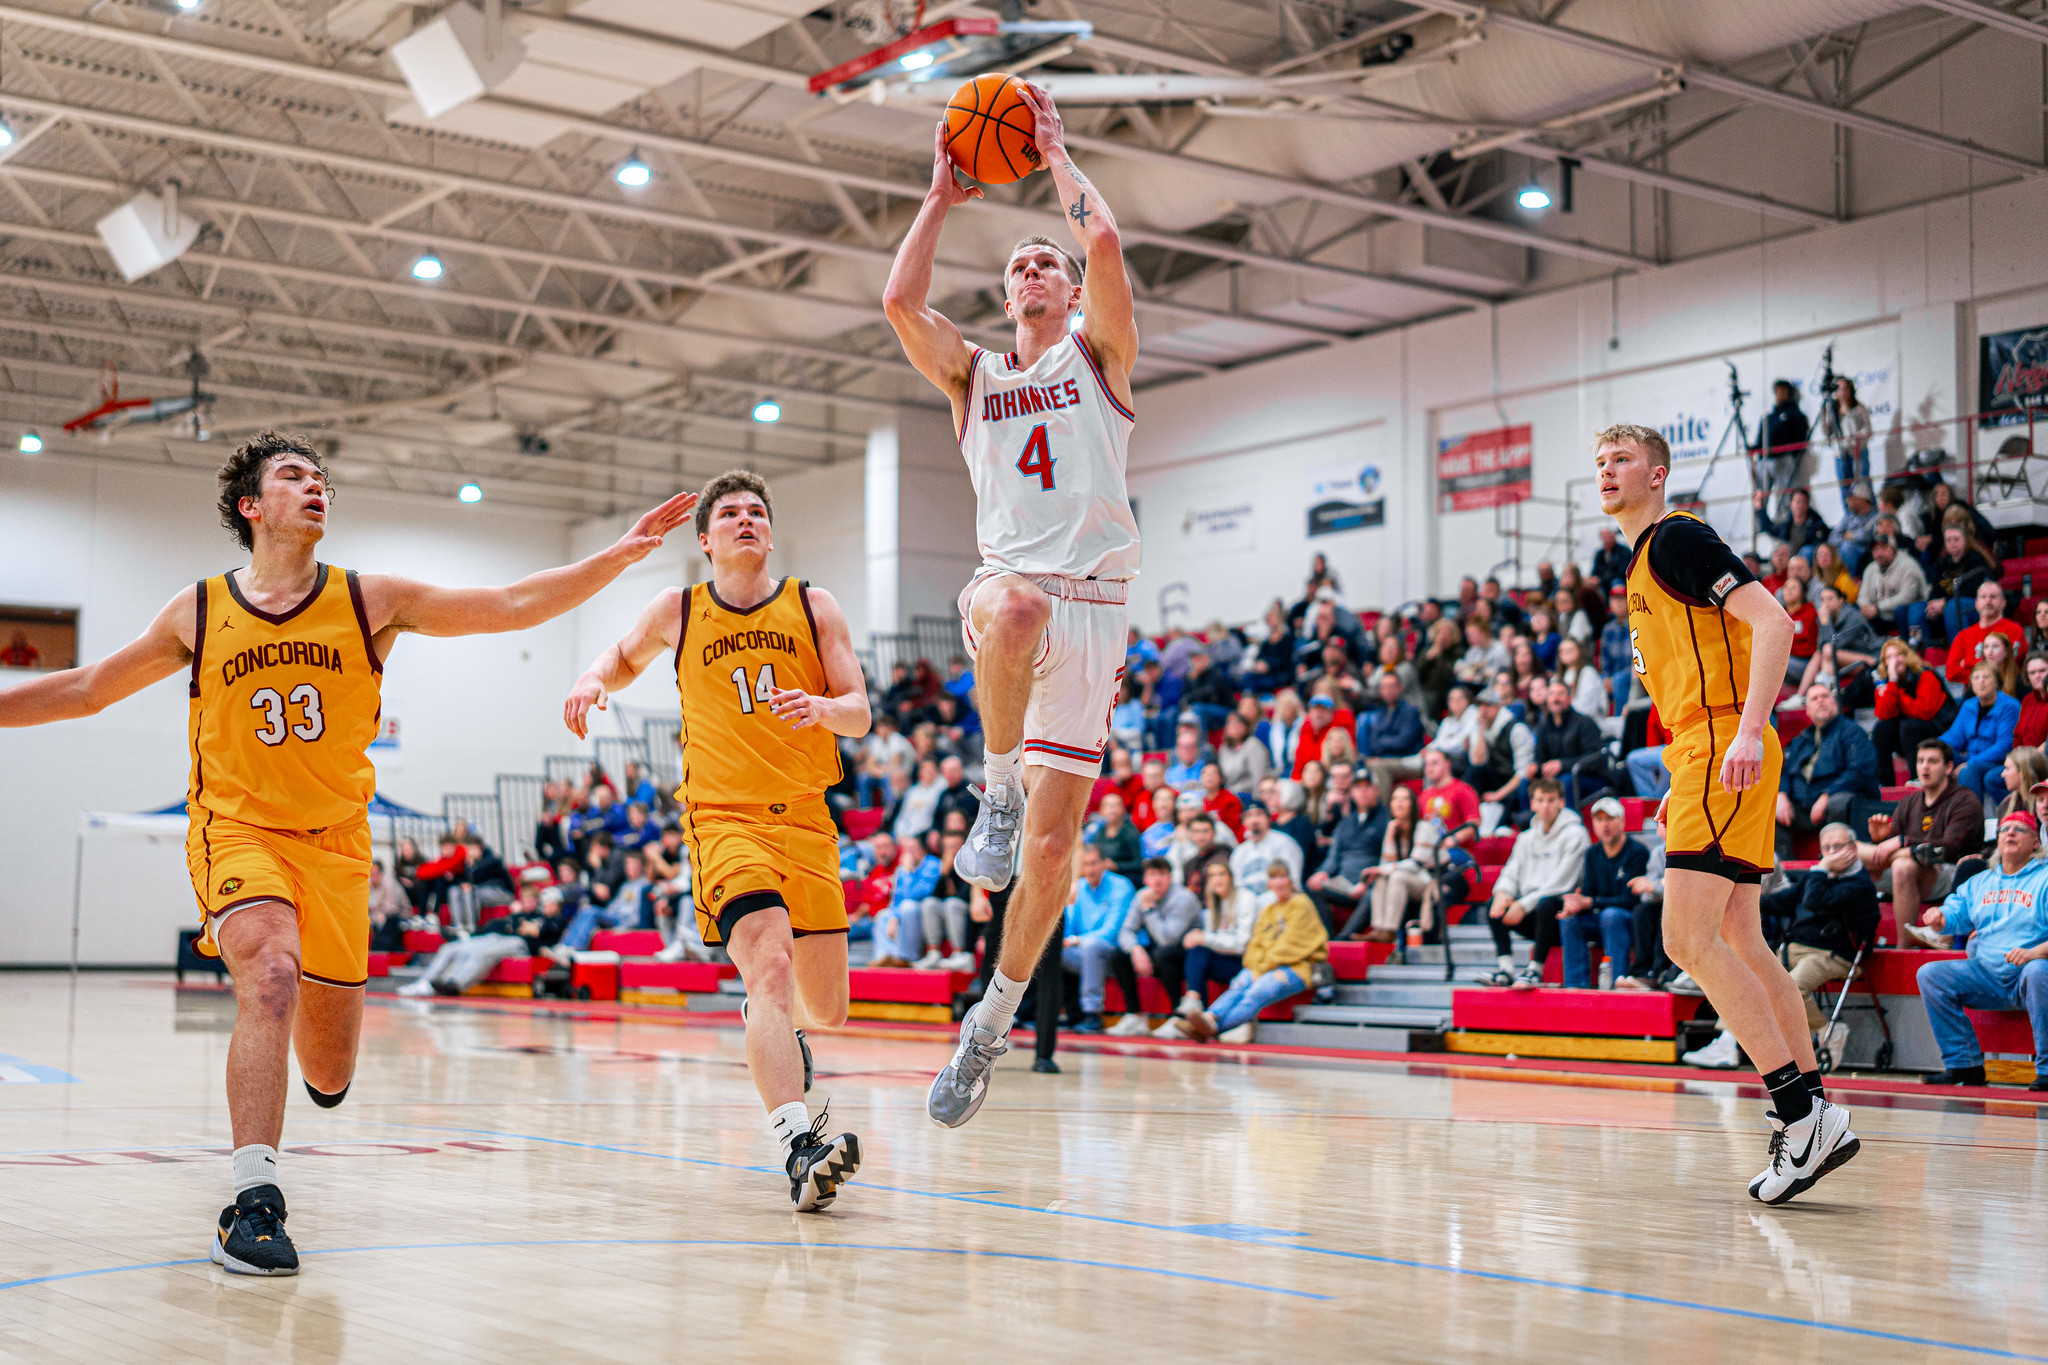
[1483, 469]
[2012, 376]
[1345, 497]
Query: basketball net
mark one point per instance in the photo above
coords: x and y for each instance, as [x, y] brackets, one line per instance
[884, 21]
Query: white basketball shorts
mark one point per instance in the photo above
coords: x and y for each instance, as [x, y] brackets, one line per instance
[1076, 675]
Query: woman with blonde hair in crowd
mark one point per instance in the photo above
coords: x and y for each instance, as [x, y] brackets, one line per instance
[1912, 705]
[1215, 949]
[1589, 689]
[1997, 651]
[1339, 747]
[2024, 766]
[1829, 571]
[1315, 786]
[1407, 860]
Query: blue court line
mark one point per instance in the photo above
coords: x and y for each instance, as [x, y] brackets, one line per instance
[1503, 1277]
[711, 1242]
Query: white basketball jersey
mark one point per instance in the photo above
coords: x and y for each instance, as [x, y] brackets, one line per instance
[1046, 448]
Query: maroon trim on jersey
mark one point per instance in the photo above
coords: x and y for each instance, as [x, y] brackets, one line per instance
[198, 639]
[319, 586]
[689, 594]
[803, 595]
[967, 408]
[712, 588]
[355, 599]
[1089, 356]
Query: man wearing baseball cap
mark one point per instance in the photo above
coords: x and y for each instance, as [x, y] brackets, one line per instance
[2002, 914]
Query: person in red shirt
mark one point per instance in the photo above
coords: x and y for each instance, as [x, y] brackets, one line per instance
[1805, 627]
[2033, 726]
[1139, 792]
[1911, 707]
[1222, 804]
[1324, 716]
[874, 891]
[1968, 646]
[1447, 799]
[1781, 569]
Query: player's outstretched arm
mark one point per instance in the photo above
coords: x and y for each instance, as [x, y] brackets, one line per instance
[1108, 324]
[653, 635]
[160, 651]
[845, 712]
[1770, 644]
[931, 341]
[400, 604]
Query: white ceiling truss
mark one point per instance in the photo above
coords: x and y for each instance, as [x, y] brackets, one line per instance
[1288, 173]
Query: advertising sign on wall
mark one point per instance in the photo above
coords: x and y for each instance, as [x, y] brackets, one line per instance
[2012, 376]
[1483, 469]
[1345, 497]
[1221, 525]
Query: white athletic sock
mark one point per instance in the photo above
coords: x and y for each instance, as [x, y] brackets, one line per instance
[255, 1165]
[789, 1122]
[1506, 961]
[999, 1006]
[1002, 770]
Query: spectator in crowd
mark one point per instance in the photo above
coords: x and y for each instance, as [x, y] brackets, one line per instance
[1324, 716]
[902, 693]
[1290, 811]
[1500, 754]
[1391, 737]
[957, 796]
[640, 831]
[1645, 763]
[1152, 942]
[2002, 916]
[636, 787]
[1610, 561]
[1405, 872]
[1241, 757]
[1356, 837]
[1805, 628]
[1569, 746]
[1801, 531]
[1602, 910]
[2033, 723]
[433, 880]
[1936, 825]
[1208, 692]
[1185, 772]
[1825, 770]
[1393, 659]
[1281, 733]
[1847, 644]
[1145, 804]
[1215, 947]
[889, 747]
[1851, 434]
[1484, 656]
[1828, 571]
[1437, 670]
[899, 930]
[1220, 801]
[1781, 569]
[1574, 619]
[1953, 577]
[1288, 940]
[1893, 594]
[1588, 689]
[2024, 767]
[1101, 902]
[1272, 665]
[943, 914]
[1853, 533]
[1997, 651]
[918, 807]
[1912, 707]
[1529, 676]
[1940, 506]
[632, 901]
[389, 909]
[1128, 722]
[606, 908]
[1198, 844]
[533, 926]
[1967, 648]
[1113, 833]
[1832, 909]
[1456, 731]
[1549, 860]
[1262, 843]
[1781, 442]
[1543, 639]
[2037, 632]
[1505, 611]
[1156, 838]
[1449, 800]
[1617, 649]
[1982, 732]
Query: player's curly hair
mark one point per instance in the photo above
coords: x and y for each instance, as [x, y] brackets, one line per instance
[1073, 262]
[1646, 439]
[732, 481]
[242, 477]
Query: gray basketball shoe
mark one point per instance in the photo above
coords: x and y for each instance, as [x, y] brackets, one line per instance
[989, 857]
[958, 1091]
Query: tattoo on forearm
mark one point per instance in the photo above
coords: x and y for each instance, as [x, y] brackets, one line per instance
[1075, 171]
[1080, 212]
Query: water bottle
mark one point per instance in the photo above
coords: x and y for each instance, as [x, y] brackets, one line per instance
[1606, 973]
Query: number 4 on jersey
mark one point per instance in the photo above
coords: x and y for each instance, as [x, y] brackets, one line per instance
[1037, 458]
[764, 687]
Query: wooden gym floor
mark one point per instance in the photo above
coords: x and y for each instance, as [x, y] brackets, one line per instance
[506, 1185]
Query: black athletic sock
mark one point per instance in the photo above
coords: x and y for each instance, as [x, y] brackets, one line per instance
[1813, 1085]
[1789, 1095]
[324, 1100]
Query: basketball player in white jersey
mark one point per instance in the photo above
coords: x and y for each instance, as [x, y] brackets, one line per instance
[1044, 430]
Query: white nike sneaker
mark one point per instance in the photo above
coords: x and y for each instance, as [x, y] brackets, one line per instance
[989, 857]
[1723, 1054]
[1132, 1025]
[1803, 1152]
[930, 961]
[415, 989]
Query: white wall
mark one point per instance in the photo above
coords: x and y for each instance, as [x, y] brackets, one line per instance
[117, 543]
[1902, 296]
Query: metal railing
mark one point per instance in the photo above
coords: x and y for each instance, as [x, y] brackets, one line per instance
[661, 738]
[479, 812]
[519, 807]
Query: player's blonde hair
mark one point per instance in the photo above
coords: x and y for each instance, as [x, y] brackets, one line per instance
[1646, 439]
[1067, 258]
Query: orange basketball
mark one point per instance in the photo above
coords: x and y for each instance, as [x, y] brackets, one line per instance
[988, 130]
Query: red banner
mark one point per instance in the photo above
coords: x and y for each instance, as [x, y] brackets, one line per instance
[1483, 469]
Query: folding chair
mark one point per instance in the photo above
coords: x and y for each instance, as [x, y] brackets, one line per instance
[1823, 1058]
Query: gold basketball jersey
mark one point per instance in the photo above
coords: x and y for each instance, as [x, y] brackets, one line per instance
[284, 706]
[729, 663]
[1692, 656]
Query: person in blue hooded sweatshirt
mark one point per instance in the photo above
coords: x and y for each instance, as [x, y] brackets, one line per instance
[2003, 914]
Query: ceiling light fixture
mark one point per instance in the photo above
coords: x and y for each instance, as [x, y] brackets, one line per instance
[767, 410]
[633, 172]
[1533, 198]
[427, 267]
[31, 443]
[188, 4]
[470, 493]
[6, 133]
[915, 61]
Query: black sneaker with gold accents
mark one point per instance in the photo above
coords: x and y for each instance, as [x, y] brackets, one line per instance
[818, 1165]
[251, 1239]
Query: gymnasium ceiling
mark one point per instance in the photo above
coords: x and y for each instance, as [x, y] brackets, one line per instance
[1348, 165]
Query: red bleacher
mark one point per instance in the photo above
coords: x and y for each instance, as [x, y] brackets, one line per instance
[1618, 1014]
[863, 822]
[627, 942]
[904, 986]
[1351, 961]
[690, 978]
